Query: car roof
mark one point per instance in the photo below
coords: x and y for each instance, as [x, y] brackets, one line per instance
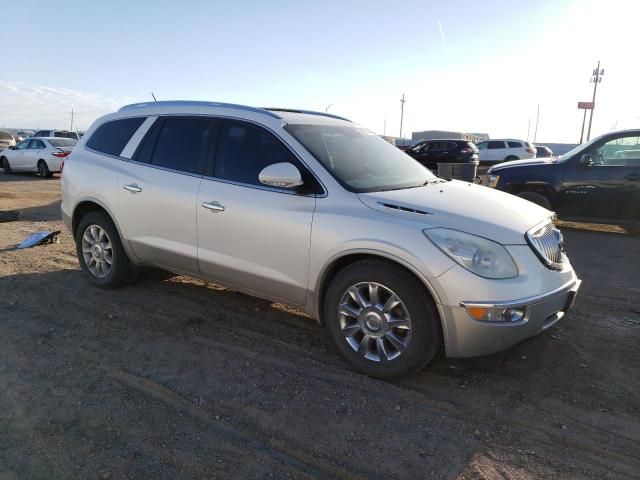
[289, 115]
[446, 140]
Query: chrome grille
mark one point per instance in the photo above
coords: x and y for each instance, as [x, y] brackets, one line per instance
[548, 244]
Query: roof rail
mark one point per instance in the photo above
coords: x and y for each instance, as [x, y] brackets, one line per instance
[308, 112]
[195, 103]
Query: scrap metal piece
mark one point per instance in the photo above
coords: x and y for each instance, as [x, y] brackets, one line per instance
[40, 238]
[10, 215]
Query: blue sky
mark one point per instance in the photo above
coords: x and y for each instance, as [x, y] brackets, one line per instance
[473, 66]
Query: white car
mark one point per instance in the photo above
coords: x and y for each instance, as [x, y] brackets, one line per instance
[42, 155]
[312, 210]
[505, 150]
[6, 140]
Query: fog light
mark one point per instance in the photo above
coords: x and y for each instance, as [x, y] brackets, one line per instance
[509, 315]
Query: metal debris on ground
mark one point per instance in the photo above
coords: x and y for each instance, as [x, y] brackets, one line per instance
[42, 237]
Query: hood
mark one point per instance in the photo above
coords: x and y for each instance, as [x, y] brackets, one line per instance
[522, 163]
[463, 206]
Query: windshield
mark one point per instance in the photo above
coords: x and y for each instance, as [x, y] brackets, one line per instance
[359, 159]
[577, 149]
[62, 142]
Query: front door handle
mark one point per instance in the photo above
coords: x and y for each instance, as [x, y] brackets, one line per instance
[633, 177]
[133, 188]
[213, 206]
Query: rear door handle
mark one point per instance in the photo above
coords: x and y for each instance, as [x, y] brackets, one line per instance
[133, 188]
[633, 177]
[213, 206]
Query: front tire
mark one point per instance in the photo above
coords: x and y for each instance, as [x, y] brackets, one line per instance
[381, 319]
[43, 169]
[537, 198]
[100, 252]
[5, 165]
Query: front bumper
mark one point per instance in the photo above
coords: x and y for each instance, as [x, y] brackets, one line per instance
[466, 337]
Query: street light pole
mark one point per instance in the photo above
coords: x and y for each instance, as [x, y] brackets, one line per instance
[402, 102]
[596, 78]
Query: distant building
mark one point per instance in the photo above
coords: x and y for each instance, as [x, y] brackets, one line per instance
[443, 134]
[398, 142]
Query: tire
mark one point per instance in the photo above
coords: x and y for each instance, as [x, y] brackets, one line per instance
[510, 158]
[422, 339]
[536, 198]
[43, 169]
[121, 271]
[5, 166]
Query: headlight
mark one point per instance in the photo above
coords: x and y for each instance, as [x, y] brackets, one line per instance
[479, 255]
[492, 180]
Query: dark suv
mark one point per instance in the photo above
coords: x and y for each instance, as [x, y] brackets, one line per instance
[432, 152]
[596, 181]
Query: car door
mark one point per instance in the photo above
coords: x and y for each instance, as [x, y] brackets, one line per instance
[250, 236]
[483, 151]
[34, 153]
[496, 151]
[603, 182]
[17, 157]
[157, 192]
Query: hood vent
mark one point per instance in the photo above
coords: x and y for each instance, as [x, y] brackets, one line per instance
[402, 208]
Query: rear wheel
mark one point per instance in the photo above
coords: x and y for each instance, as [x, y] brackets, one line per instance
[4, 162]
[537, 198]
[43, 169]
[100, 251]
[510, 158]
[381, 319]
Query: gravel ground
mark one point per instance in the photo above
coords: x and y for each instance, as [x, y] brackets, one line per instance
[177, 378]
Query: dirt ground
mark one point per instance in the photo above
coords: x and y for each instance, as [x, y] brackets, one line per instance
[177, 378]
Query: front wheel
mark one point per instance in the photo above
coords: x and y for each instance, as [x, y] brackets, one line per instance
[4, 162]
[382, 319]
[536, 198]
[100, 251]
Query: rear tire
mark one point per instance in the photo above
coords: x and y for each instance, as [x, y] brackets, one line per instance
[98, 242]
[43, 169]
[368, 340]
[536, 198]
[5, 165]
[510, 158]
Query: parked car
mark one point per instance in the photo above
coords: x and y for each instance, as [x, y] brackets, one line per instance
[398, 262]
[6, 140]
[42, 155]
[57, 133]
[432, 152]
[543, 152]
[597, 181]
[498, 150]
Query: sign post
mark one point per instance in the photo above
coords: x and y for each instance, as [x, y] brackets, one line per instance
[584, 106]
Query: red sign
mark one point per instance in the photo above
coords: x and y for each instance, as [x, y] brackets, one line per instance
[586, 105]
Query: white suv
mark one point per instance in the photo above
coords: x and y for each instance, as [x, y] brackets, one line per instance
[312, 210]
[505, 150]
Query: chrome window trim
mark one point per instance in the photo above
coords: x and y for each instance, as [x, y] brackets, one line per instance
[572, 285]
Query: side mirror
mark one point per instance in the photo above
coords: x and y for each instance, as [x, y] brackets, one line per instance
[586, 160]
[282, 175]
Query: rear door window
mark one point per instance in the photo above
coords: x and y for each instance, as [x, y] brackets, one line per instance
[36, 144]
[112, 137]
[183, 144]
[495, 145]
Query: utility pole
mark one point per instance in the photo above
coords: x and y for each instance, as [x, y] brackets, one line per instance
[596, 78]
[328, 107]
[584, 121]
[384, 129]
[402, 102]
[71, 129]
[535, 135]
[528, 128]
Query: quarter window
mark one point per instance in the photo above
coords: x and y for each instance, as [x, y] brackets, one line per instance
[243, 151]
[183, 144]
[112, 137]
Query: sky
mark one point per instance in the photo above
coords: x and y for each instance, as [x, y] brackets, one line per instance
[462, 65]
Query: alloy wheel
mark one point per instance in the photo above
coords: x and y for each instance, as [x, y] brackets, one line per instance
[374, 321]
[97, 251]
